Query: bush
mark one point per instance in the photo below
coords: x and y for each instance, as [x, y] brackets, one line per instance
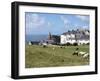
[62, 44]
[68, 44]
[75, 44]
[88, 44]
[44, 46]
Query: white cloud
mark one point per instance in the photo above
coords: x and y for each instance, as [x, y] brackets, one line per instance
[76, 26]
[85, 27]
[66, 22]
[81, 26]
[83, 18]
[64, 19]
[34, 20]
[48, 24]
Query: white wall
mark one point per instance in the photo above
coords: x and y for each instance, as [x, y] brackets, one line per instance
[65, 39]
[5, 41]
[62, 39]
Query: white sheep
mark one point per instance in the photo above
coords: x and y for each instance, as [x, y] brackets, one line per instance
[86, 55]
[82, 53]
[53, 48]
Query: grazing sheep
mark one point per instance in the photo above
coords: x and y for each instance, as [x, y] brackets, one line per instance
[82, 53]
[53, 48]
[86, 55]
[76, 52]
[44, 45]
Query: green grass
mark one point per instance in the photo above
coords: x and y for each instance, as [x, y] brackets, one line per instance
[37, 56]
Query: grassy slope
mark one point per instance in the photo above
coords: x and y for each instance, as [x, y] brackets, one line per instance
[37, 56]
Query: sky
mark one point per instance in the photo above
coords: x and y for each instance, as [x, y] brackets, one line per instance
[56, 24]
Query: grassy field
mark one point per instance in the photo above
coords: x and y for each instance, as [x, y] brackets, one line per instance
[37, 56]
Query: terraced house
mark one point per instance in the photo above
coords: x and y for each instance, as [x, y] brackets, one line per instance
[79, 36]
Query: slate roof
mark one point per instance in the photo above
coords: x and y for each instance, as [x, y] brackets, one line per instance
[79, 34]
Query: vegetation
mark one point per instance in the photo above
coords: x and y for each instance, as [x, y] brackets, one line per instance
[53, 55]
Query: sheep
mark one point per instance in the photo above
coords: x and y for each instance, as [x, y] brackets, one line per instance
[53, 48]
[44, 45]
[86, 55]
[76, 52]
[82, 53]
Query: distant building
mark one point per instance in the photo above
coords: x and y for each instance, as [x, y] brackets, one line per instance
[52, 39]
[49, 36]
[33, 43]
[75, 36]
[56, 39]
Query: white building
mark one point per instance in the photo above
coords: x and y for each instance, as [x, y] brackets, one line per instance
[80, 37]
[67, 38]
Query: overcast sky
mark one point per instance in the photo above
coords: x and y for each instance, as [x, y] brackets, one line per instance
[43, 23]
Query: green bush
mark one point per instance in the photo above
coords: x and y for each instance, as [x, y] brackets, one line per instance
[88, 44]
[68, 44]
[75, 44]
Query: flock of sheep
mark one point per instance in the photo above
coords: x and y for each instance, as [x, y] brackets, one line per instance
[76, 52]
[84, 54]
[81, 53]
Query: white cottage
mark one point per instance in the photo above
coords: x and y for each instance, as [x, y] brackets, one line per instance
[75, 36]
[67, 38]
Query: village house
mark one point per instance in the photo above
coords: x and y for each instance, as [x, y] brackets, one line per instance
[51, 40]
[75, 36]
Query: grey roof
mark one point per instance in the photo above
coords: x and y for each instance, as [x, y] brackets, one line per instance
[79, 35]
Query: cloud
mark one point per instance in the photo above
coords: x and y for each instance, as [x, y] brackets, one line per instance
[36, 23]
[83, 18]
[34, 20]
[81, 26]
[85, 27]
[49, 24]
[65, 20]
[76, 26]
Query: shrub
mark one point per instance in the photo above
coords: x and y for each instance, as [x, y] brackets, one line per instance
[75, 44]
[44, 46]
[88, 44]
[62, 44]
[68, 44]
